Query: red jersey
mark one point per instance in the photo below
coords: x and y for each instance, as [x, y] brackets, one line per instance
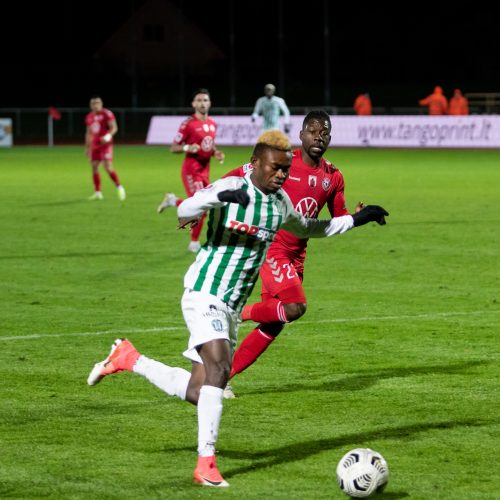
[310, 189]
[202, 132]
[99, 125]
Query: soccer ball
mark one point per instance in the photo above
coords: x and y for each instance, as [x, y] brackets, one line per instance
[361, 472]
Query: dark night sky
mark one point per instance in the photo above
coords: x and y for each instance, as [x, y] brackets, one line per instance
[398, 55]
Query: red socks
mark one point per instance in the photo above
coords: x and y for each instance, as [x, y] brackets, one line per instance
[269, 311]
[114, 177]
[254, 344]
[96, 178]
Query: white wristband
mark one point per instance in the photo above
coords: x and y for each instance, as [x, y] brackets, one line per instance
[185, 148]
[107, 137]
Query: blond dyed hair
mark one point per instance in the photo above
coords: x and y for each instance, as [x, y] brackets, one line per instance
[274, 139]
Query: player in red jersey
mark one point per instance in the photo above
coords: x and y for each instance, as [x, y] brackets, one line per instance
[313, 182]
[196, 138]
[101, 127]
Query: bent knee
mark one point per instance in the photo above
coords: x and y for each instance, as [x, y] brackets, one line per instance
[294, 311]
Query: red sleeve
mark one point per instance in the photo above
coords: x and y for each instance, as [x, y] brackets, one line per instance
[88, 120]
[336, 201]
[237, 172]
[183, 132]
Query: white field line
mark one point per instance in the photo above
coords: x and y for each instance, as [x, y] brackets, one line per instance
[35, 336]
[423, 316]
[404, 316]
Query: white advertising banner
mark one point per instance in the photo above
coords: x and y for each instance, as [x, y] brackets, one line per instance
[478, 131]
[5, 132]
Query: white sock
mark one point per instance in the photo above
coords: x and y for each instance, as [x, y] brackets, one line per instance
[173, 381]
[209, 414]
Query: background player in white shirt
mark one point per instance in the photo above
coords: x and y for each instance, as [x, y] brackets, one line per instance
[270, 107]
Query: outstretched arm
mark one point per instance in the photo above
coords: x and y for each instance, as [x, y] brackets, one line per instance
[216, 195]
[314, 228]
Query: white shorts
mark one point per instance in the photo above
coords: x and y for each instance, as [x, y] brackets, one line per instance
[207, 318]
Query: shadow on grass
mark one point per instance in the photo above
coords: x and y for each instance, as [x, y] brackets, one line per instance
[305, 449]
[392, 494]
[58, 203]
[362, 381]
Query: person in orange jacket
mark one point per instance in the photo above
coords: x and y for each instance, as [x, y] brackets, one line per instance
[437, 102]
[363, 104]
[459, 105]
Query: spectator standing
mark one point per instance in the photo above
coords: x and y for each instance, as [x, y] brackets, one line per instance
[459, 104]
[436, 102]
[363, 104]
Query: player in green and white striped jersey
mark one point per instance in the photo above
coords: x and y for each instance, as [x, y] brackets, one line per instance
[244, 215]
[227, 266]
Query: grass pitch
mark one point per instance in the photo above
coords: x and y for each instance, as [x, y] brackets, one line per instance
[398, 350]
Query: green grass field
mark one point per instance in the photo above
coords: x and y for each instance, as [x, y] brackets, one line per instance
[398, 350]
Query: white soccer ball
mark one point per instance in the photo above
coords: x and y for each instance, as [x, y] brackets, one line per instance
[362, 472]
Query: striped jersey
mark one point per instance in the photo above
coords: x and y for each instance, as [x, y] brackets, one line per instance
[228, 264]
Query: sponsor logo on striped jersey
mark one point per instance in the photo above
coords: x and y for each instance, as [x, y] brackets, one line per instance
[256, 232]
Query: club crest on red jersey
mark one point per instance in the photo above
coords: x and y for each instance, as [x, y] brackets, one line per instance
[325, 184]
[312, 181]
[308, 207]
[207, 144]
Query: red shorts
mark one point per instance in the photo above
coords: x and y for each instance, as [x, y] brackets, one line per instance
[102, 153]
[194, 176]
[279, 274]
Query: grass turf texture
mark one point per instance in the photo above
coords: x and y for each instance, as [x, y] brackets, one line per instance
[398, 350]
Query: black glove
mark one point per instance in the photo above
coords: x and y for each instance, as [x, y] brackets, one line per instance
[287, 128]
[237, 196]
[371, 213]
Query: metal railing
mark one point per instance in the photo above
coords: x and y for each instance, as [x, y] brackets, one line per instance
[488, 101]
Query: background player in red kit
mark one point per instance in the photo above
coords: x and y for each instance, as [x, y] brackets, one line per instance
[101, 127]
[196, 137]
[313, 182]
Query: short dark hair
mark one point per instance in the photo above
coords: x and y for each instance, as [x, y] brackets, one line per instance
[319, 115]
[201, 91]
